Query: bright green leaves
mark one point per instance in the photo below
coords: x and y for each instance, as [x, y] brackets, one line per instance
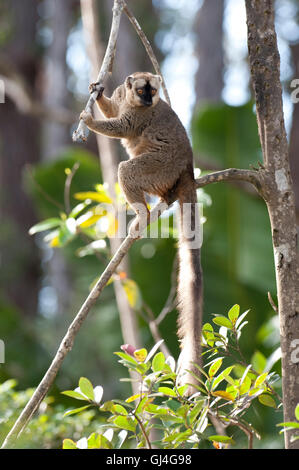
[234, 313]
[158, 362]
[221, 389]
[83, 217]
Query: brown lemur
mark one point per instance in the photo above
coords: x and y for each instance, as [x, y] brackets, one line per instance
[161, 164]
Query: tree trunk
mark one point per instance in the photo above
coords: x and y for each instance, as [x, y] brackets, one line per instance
[294, 137]
[209, 49]
[19, 146]
[277, 190]
[56, 135]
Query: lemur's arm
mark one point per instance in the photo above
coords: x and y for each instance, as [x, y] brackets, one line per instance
[114, 127]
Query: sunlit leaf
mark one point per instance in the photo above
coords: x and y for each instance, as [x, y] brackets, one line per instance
[214, 367]
[223, 321]
[158, 362]
[68, 444]
[76, 410]
[224, 394]
[86, 388]
[234, 313]
[223, 439]
[45, 225]
[74, 394]
[125, 422]
[260, 379]
[97, 196]
[267, 400]
[133, 293]
[167, 391]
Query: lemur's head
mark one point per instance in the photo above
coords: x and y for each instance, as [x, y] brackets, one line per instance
[142, 89]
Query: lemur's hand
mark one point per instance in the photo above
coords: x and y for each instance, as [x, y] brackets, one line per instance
[86, 117]
[95, 87]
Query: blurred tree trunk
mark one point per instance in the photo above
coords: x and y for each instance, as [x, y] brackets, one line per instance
[19, 136]
[109, 160]
[56, 135]
[294, 137]
[209, 49]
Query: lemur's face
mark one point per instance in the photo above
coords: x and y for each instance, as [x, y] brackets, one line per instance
[142, 89]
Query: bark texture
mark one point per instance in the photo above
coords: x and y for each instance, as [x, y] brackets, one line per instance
[277, 189]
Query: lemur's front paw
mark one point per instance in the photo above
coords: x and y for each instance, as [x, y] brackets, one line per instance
[86, 117]
[96, 87]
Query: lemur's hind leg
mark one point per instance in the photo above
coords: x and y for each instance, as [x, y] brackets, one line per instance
[147, 173]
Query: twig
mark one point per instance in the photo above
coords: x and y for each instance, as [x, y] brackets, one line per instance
[272, 303]
[67, 187]
[81, 133]
[231, 174]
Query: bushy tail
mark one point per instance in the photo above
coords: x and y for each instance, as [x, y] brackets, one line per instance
[190, 288]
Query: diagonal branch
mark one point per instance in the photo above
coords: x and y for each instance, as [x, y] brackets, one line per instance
[68, 340]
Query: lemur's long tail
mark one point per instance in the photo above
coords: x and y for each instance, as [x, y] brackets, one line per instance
[190, 286]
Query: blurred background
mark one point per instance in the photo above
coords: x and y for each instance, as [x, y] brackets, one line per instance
[50, 51]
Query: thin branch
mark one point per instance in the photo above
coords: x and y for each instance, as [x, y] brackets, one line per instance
[68, 340]
[231, 174]
[67, 187]
[81, 133]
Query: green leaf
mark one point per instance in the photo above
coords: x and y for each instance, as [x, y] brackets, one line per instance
[98, 441]
[94, 196]
[214, 367]
[76, 410]
[260, 379]
[74, 394]
[158, 362]
[45, 225]
[258, 362]
[167, 391]
[223, 321]
[125, 422]
[267, 400]
[86, 388]
[68, 444]
[234, 313]
[289, 424]
[297, 412]
[224, 439]
[126, 357]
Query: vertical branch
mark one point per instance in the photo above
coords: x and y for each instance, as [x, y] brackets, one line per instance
[81, 132]
[277, 188]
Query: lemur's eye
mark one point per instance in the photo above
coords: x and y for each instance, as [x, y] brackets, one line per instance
[140, 91]
[153, 91]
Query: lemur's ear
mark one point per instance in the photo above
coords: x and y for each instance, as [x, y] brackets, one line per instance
[158, 77]
[129, 81]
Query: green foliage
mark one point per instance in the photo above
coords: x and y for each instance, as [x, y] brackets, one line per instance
[222, 392]
[292, 425]
[49, 425]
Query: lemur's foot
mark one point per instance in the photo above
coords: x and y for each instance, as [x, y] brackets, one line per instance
[96, 87]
